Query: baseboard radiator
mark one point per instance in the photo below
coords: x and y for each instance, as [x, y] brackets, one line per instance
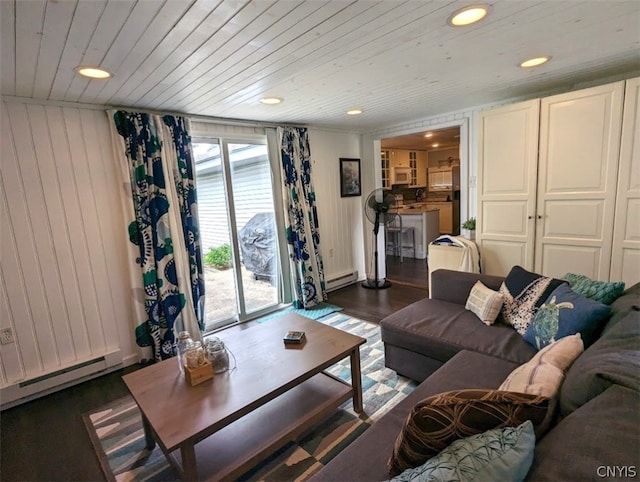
[30, 389]
[342, 280]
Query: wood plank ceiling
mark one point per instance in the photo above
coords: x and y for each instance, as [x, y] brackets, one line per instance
[396, 60]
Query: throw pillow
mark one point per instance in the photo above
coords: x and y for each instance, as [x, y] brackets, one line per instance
[543, 374]
[484, 302]
[498, 454]
[565, 313]
[603, 291]
[523, 293]
[437, 421]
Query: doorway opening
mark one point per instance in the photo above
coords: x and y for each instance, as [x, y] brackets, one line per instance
[429, 198]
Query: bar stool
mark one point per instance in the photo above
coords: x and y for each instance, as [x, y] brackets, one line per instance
[394, 235]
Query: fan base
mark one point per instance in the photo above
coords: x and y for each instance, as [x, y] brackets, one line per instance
[376, 284]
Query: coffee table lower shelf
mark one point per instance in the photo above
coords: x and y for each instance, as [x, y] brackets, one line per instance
[233, 450]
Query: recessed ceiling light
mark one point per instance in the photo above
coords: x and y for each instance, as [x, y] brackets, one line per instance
[429, 134]
[354, 112]
[468, 15]
[271, 100]
[435, 145]
[93, 72]
[535, 61]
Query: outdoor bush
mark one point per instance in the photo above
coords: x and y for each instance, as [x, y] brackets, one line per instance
[219, 257]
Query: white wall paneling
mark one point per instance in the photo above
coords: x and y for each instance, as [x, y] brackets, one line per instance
[625, 259]
[64, 279]
[340, 219]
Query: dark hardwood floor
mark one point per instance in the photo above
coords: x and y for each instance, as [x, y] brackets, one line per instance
[45, 439]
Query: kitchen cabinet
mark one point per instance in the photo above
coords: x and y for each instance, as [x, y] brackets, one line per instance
[414, 161]
[386, 169]
[448, 219]
[399, 158]
[418, 168]
[547, 171]
[444, 178]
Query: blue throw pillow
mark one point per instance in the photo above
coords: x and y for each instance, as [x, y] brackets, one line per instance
[498, 454]
[564, 313]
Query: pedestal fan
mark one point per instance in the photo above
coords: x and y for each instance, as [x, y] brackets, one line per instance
[380, 209]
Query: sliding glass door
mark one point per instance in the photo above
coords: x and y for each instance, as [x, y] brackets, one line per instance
[238, 229]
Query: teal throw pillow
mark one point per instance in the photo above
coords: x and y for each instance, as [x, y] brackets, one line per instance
[498, 454]
[564, 313]
[603, 291]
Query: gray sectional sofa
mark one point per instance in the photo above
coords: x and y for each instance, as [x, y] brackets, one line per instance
[596, 434]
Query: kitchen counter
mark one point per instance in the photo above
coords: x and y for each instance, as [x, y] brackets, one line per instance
[416, 208]
[425, 222]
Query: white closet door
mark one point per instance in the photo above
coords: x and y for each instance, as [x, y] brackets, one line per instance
[508, 146]
[578, 165]
[625, 259]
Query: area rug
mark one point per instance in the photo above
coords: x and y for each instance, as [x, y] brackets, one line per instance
[319, 311]
[117, 436]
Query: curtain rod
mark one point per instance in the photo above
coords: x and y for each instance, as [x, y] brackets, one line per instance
[209, 119]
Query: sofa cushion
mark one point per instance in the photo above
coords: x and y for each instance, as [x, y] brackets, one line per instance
[564, 313]
[437, 421]
[543, 374]
[441, 329]
[485, 303]
[612, 359]
[366, 458]
[498, 454]
[601, 435]
[523, 293]
[602, 291]
[629, 301]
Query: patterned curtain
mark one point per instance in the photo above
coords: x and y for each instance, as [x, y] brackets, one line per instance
[301, 217]
[164, 230]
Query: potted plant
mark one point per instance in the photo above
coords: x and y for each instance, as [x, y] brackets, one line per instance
[469, 228]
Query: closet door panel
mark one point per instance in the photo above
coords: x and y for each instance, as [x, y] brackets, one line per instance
[578, 164]
[501, 256]
[625, 259]
[508, 144]
[561, 259]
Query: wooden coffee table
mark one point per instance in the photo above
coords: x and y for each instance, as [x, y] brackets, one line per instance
[223, 427]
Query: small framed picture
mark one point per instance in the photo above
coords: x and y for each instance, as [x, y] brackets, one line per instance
[349, 177]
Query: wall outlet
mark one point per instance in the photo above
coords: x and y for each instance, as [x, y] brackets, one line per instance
[6, 336]
[331, 252]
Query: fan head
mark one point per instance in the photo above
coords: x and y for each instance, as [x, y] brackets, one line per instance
[380, 205]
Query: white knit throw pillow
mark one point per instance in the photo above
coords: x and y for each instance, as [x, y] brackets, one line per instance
[484, 302]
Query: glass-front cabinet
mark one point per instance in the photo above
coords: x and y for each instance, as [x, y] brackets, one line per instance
[386, 169]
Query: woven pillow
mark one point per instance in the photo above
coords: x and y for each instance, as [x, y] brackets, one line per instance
[498, 454]
[484, 302]
[543, 374]
[437, 421]
[603, 291]
[523, 293]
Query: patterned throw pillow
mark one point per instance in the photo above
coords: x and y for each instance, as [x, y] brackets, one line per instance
[603, 291]
[543, 374]
[523, 293]
[565, 313]
[498, 454]
[437, 421]
[484, 302]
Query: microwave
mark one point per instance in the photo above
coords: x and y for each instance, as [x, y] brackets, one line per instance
[401, 175]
